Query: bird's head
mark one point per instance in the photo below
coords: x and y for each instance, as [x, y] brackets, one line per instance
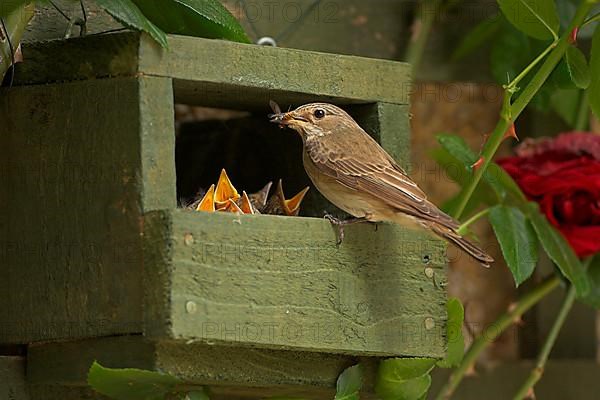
[314, 119]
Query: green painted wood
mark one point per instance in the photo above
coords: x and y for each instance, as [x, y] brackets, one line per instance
[279, 282]
[221, 73]
[157, 143]
[50, 24]
[96, 56]
[228, 370]
[250, 281]
[56, 392]
[285, 75]
[12, 378]
[71, 166]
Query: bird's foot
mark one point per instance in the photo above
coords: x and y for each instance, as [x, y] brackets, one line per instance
[340, 223]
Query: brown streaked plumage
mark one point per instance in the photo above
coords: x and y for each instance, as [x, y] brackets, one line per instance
[356, 174]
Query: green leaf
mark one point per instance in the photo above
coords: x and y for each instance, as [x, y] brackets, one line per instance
[517, 241]
[565, 102]
[559, 250]
[476, 37]
[126, 12]
[7, 7]
[504, 184]
[349, 383]
[197, 395]
[593, 272]
[403, 378]
[413, 389]
[15, 23]
[594, 88]
[510, 53]
[536, 18]
[458, 148]
[200, 18]
[130, 383]
[578, 67]
[561, 77]
[456, 341]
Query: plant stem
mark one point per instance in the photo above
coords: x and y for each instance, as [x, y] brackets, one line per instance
[536, 373]
[414, 54]
[511, 112]
[513, 84]
[494, 330]
[583, 115]
[553, 59]
[488, 152]
[591, 19]
[462, 229]
[538, 370]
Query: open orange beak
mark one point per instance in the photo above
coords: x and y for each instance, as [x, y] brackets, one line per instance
[225, 191]
[208, 201]
[292, 206]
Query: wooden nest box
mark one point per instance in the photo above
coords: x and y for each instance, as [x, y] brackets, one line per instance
[99, 262]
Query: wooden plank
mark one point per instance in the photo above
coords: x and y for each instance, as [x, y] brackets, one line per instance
[79, 58]
[562, 379]
[226, 369]
[71, 209]
[157, 141]
[220, 73]
[278, 282]
[12, 378]
[251, 74]
[56, 392]
[50, 24]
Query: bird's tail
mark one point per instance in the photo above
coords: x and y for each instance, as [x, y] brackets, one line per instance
[471, 249]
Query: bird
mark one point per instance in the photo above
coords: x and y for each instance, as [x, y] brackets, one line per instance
[358, 176]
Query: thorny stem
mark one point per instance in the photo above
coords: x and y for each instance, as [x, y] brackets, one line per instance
[510, 112]
[538, 370]
[490, 334]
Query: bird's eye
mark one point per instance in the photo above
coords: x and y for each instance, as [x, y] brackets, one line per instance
[319, 113]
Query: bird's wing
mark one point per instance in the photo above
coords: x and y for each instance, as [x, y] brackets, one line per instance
[378, 175]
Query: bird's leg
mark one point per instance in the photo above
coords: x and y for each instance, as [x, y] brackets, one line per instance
[339, 224]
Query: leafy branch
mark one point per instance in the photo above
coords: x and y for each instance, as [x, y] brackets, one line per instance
[510, 112]
[518, 224]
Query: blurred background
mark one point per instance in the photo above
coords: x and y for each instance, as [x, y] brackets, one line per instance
[457, 78]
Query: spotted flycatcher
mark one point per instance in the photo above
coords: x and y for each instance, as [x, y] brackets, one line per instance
[354, 172]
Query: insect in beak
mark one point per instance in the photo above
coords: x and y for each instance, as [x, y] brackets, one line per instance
[282, 118]
[277, 117]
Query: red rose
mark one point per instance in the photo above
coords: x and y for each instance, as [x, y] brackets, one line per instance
[562, 174]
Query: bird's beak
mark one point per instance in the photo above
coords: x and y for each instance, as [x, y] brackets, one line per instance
[290, 118]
